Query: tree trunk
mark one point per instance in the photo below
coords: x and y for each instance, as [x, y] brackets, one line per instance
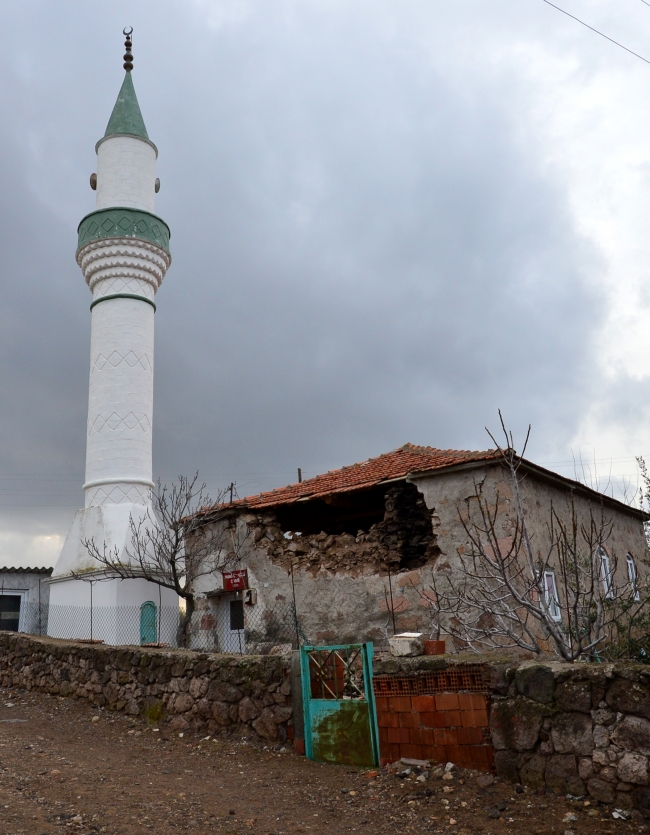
[183, 633]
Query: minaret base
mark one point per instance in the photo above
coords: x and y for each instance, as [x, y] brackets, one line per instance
[87, 602]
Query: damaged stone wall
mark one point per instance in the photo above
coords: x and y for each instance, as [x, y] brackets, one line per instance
[339, 575]
[180, 690]
[403, 539]
[343, 591]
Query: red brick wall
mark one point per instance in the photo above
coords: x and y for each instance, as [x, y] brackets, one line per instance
[446, 727]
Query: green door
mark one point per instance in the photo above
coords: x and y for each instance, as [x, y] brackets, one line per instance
[339, 704]
[148, 631]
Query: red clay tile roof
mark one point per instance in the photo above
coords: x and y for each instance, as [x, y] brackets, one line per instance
[392, 465]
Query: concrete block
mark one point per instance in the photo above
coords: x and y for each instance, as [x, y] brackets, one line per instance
[407, 644]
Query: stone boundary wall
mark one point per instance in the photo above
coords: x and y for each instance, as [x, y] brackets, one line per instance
[177, 689]
[580, 729]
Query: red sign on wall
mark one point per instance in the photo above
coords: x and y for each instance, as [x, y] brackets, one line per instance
[235, 580]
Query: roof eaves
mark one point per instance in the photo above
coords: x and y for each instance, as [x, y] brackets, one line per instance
[556, 478]
[541, 473]
[11, 569]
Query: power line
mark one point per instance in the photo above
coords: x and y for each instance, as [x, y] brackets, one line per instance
[573, 17]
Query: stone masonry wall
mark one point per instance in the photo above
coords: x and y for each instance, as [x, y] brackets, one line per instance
[582, 729]
[403, 539]
[182, 690]
[342, 590]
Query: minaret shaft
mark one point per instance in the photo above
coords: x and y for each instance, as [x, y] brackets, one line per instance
[123, 253]
[120, 403]
[123, 275]
[126, 173]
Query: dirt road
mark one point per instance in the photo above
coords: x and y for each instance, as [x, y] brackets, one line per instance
[68, 768]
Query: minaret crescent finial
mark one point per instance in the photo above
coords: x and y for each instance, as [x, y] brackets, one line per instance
[128, 56]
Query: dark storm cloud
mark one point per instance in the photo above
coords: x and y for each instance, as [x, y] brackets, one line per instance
[368, 247]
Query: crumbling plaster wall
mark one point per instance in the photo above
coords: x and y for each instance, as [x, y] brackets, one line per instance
[447, 492]
[345, 585]
[343, 590]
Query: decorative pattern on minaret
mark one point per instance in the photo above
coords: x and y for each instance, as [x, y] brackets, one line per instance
[128, 57]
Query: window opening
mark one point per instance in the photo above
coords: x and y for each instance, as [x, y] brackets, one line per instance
[10, 612]
[552, 597]
[236, 615]
[632, 577]
[606, 573]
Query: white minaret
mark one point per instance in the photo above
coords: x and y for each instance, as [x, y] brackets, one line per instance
[123, 253]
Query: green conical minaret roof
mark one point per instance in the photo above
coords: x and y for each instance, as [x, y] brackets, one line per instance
[126, 116]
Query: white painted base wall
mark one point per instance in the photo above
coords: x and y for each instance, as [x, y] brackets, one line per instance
[115, 610]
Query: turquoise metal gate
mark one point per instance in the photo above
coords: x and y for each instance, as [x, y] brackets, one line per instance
[339, 704]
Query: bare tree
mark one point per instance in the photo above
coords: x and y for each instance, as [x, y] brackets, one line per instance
[569, 596]
[174, 544]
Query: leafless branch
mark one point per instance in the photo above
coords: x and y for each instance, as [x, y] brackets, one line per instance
[171, 545]
[567, 594]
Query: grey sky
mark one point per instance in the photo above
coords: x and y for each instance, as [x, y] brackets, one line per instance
[385, 226]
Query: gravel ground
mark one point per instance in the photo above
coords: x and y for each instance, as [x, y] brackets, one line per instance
[65, 767]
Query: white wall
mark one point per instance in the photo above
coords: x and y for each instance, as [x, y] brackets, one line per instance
[115, 611]
[126, 173]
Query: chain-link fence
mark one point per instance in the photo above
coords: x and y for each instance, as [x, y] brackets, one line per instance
[117, 625]
[231, 625]
[225, 625]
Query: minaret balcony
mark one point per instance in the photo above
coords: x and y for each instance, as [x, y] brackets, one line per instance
[123, 223]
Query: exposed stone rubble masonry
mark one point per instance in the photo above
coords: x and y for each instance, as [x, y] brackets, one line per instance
[404, 538]
[177, 689]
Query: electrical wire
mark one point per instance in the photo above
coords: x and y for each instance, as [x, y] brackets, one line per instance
[573, 17]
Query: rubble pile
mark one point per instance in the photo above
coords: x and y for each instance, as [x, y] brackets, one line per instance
[403, 540]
